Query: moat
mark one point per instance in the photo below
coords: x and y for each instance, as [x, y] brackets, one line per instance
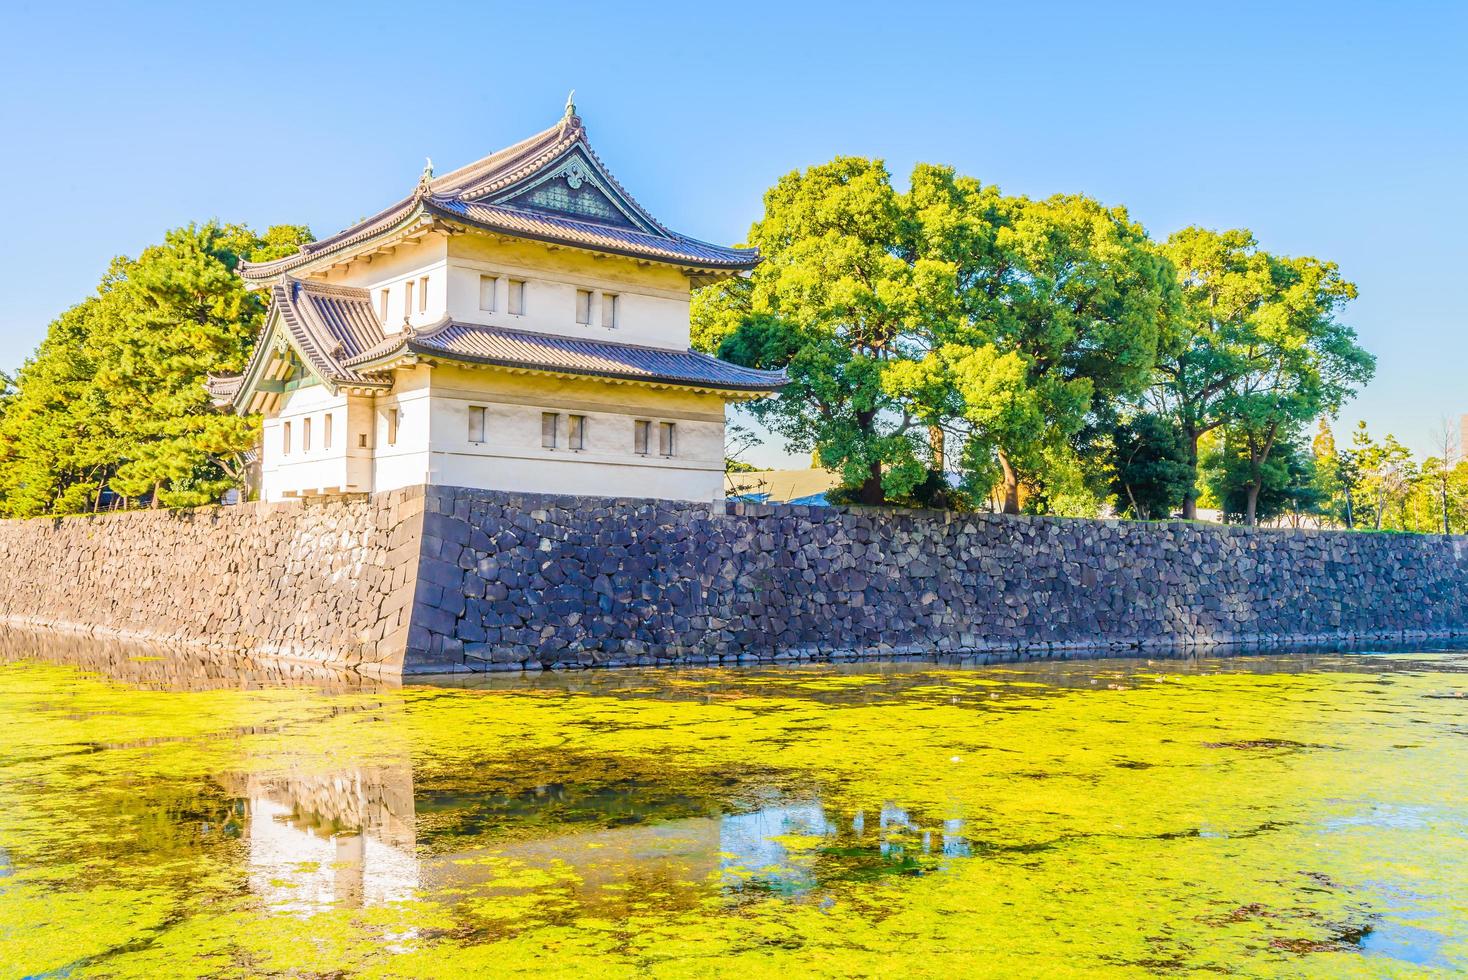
[1254, 815]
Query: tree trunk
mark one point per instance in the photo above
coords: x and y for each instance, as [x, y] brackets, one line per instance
[1136, 511]
[154, 504]
[936, 443]
[871, 488]
[1011, 485]
[1447, 528]
[1251, 504]
[1190, 495]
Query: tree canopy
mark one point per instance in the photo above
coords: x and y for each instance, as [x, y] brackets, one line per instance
[946, 315]
[113, 400]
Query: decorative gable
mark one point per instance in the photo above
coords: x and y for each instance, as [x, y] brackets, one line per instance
[578, 188]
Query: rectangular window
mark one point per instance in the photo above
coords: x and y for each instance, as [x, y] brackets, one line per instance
[609, 309]
[583, 306]
[548, 425]
[382, 305]
[306, 434]
[423, 295]
[517, 297]
[326, 430]
[407, 298]
[476, 423]
[487, 287]
[285, 438]
[392, 427]
[361, 440]
[576, 432]
[641, 436]
[666, 442]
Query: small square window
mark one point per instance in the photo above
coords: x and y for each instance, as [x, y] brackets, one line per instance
[576, 432]
[306, 435]
[476, 423]
[285, 438]
[583, 306]
[361, 440]
[326, 430]
[609, 309]
[641, 436]
[517, 297]
[423, 295]
[666, 442]
[548, 425]
[487, 287]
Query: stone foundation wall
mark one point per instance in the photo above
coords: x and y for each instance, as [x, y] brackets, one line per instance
[330, 582]
[444, 579]
[519, 581]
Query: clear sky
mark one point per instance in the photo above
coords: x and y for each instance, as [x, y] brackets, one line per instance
[1335, 129]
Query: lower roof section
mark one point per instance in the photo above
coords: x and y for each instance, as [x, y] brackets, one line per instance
[527, 350]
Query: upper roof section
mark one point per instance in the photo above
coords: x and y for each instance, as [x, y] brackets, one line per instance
[551, 187]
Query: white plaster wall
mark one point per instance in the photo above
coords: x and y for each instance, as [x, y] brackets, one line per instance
[654, 299]
[410, 262]
[403, 463]
[300, 472]
[511, 456]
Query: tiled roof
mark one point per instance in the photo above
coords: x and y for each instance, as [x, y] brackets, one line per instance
[524, 349]
[326, 325]
[222, 388]
[330, 324]
[336, 331]
[542, 226]
[476, 194]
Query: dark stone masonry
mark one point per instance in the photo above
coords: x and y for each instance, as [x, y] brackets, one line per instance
[444, 579]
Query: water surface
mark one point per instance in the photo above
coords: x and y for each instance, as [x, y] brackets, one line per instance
[1303, 815]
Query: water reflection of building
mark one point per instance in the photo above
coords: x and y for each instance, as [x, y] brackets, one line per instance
[352, 840]
[341, 839]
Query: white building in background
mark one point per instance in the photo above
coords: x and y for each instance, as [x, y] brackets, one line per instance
[518, 324]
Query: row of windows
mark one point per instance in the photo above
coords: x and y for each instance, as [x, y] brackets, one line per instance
[608, 307]
[412, 286]
[489, 287]
[326, 426]
[552, 431]
[513, 300]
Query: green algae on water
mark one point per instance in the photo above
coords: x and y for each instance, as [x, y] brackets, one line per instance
[1255, 816]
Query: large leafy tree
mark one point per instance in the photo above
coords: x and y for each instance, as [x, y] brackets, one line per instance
[947, 318]
[1060, 328]
[839, 302]
[114, 396]
[1256, 346]
[1300, 362]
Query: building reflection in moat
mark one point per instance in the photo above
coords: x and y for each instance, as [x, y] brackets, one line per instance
[349, 840]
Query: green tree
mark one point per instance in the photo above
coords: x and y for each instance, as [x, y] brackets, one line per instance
[839, 301]
[1282, 486]
[1257, 346]
[1062, 303]
[1150, 473]
[949, 316]
[114, 397]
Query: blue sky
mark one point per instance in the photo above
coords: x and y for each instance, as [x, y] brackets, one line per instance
[1338, 130]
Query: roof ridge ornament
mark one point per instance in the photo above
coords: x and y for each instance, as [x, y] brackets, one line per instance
[425, 180]
[570, 120]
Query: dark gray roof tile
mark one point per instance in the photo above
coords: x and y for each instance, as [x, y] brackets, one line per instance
[475, 343]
